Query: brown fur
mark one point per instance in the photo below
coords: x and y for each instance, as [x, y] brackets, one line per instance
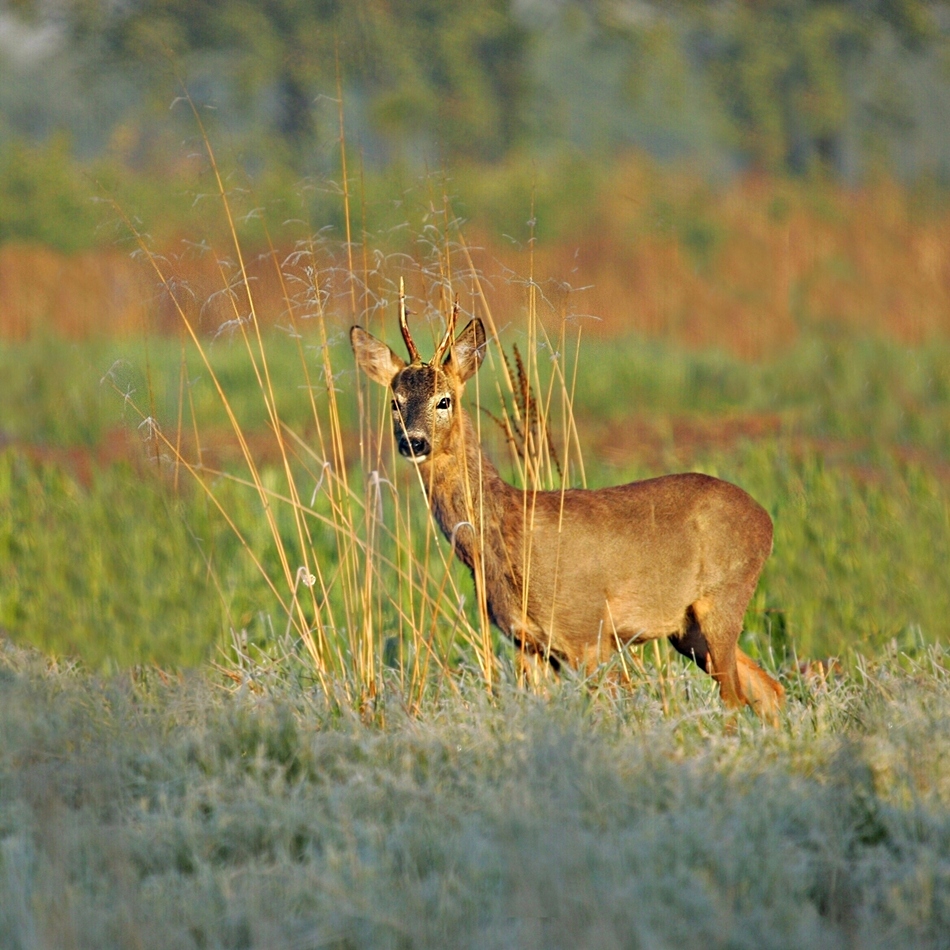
[569, 575]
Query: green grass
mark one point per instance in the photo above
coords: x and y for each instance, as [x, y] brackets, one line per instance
[118, 565]
[110, 570]
[65, 393]
[879, 394]
[873, 394]
[137, 813]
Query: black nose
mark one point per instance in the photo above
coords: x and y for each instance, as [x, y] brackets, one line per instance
[414, 445]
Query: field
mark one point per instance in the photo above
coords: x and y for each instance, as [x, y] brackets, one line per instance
[118, 558]
[138, 812]
[248, 699]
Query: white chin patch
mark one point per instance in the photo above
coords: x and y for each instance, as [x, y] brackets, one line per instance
[418, 459]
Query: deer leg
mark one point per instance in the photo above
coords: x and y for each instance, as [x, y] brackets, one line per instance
[535, 670]
[692, 643]
[720, 623]
[740, 679]
[536, 663]
[763, 694]
[595, 653]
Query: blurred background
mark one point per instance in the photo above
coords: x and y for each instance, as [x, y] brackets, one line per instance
[745, 207]
[758, 164]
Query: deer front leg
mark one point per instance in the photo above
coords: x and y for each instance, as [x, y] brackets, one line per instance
[534, 670]
[536, 662]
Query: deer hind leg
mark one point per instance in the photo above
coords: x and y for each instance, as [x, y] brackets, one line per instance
[764, 694]
[711, 639]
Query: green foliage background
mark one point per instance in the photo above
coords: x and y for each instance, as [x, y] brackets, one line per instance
[117, 566]
[836, 87]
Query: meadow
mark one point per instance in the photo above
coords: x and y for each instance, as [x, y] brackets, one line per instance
[146, 811]
[248, 698]
[113, 553]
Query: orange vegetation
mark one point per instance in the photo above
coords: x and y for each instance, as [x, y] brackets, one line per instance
[775, 258]
[744, 267]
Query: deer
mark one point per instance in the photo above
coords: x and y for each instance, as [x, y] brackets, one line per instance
[571, 576]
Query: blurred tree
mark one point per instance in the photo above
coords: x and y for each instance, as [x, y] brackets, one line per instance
[455, 66]
[778, 84]
[788, 77]
[451, 71]
[782, 69]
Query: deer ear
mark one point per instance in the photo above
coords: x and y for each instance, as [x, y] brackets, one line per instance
[375, 359]
[467, 352]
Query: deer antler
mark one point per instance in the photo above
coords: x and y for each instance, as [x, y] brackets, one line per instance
[449, 330]
[404, 326]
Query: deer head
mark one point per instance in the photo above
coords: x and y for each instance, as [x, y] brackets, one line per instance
[425, 396]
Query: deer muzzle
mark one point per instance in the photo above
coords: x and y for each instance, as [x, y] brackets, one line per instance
[414, 446]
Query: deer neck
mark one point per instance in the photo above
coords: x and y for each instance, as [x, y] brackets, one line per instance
[482, 515]
[466, 493]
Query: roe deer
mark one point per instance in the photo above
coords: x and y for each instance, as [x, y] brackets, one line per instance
[571, 575]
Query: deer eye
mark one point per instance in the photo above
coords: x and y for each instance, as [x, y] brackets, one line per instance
[395, 406]
[444, 403]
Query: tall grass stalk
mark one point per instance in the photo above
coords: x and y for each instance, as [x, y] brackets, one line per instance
[367, 588]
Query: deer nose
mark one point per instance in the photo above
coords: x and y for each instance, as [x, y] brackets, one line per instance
[414, 446]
